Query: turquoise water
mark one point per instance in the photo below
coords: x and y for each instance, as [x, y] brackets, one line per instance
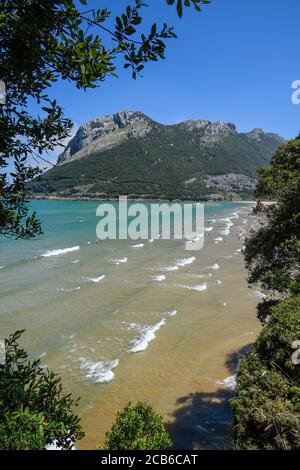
[120, 318]
[68, 223]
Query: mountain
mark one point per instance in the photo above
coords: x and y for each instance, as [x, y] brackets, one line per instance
[129, 153]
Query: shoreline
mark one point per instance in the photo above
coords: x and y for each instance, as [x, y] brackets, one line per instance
[194, 314]
[187, 373]
[142, 199]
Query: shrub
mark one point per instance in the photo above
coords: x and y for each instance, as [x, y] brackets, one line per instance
[137, 427]
[29, 393]
[22, 430]
[267, 405]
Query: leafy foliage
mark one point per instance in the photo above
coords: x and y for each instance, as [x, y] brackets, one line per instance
[267, 405]
[137, 427]
[40, 43]
[181, 3]
[32, 397]
[22, 430]
[273, 252]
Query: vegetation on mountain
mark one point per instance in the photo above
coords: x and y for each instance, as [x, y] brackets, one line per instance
[143, 158]
[137, 427]
[34, 411]
[40, 43]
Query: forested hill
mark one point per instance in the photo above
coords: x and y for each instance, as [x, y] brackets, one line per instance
[129, 153]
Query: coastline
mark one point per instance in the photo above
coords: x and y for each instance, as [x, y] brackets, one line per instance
[188, 377]
[127, 321]
[137, 199]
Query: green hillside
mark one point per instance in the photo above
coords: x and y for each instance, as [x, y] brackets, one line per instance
[169, 161]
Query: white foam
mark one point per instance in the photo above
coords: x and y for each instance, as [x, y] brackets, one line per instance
[120, 260]
[63, 289]
[228, 224]
[96, 279]
[131, 326]
[99, 372]
[218, 239]
[60, 251]
[229, 382]
[198, 288]
[140, 245]
[159, 278]
[1, 267]
[185, 261]
[215, 267]
[147, 336]
[199, 276]
[208, 229]
[212, 221]
[178, 263]
[172, 313]
[170, 268]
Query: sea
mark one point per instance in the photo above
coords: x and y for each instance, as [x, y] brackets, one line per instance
[128, 320]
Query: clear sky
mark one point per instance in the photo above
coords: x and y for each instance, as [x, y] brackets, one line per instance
[235, 61]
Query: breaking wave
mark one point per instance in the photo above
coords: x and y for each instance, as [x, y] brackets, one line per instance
[60, 251]
[99, 372]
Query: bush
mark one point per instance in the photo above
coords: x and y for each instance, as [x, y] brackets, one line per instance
[137, 427]
[22, 430]
[25, 385]
[267, 405]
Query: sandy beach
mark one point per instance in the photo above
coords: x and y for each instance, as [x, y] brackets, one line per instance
[136, 320]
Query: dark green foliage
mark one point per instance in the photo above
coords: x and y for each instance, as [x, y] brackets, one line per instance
[267, 405]
[22, 430]
[273, 253]
[29, 393]
[181, 3]
[275, 341]
[137, 427]
[42, 42]
[159, 164]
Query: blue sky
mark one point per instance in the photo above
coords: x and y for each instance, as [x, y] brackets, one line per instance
[235, 61]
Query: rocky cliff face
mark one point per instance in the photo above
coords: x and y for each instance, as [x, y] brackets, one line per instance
[106, 132]
[109, 131]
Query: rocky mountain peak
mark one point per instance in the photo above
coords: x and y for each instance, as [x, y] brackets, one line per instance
[210, 128]
[105, 132]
